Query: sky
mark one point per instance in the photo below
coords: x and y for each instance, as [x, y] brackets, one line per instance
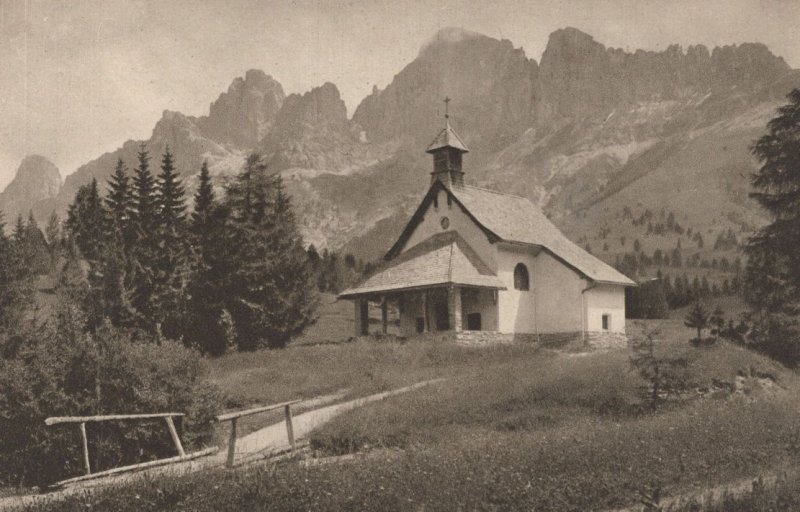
[80, 77]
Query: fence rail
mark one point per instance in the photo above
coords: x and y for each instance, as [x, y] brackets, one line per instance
[83, 420]
[234, 416]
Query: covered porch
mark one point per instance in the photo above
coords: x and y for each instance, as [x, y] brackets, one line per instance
[439, 285]
[453, 308]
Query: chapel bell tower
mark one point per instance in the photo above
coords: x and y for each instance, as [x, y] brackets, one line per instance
[447, 149]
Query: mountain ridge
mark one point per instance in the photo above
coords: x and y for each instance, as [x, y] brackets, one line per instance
[572, 132]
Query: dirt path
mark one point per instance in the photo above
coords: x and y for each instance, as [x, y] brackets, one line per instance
[269, 439]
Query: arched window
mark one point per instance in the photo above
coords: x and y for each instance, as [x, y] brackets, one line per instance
[521, 281]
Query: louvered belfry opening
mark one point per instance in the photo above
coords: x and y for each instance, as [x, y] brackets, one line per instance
[447, 150]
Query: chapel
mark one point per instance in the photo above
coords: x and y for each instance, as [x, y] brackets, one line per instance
[481, 266]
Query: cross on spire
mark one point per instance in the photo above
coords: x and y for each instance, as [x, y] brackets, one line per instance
[446, 107]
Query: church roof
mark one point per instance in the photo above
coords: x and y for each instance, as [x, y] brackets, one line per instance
[513, 219]
[442, 259]
[517, 219]
[447, 138]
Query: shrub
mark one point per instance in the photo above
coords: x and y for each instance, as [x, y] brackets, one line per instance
[59, 370]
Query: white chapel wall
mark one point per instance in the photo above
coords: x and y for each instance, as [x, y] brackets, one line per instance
[609, 300]
[558, 295]
[516, 306]
[431, 224]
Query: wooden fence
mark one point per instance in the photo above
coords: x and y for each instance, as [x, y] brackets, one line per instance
[83, 420]
[233, 417]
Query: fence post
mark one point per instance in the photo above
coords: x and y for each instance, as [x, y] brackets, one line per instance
[232, 444]
[85, 449]
[174, 434]
[289, 427]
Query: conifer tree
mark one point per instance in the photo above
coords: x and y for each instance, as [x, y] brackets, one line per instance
[213, 264]
[113, 277]
[697, 318]
[171, 263]
[144, 200]
[203, 201]
[145, 250]
[272, 297]
[771, 282]
[170, 197]
[119, 202]
[52, 231]
[19, 230]
[9, 298]
[34, 247]
[86, 221]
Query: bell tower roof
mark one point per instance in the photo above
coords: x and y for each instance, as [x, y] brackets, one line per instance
[447, 138]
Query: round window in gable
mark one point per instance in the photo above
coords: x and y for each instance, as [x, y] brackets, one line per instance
[445, 223]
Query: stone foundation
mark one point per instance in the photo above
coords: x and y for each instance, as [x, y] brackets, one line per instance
[555, 340]
[606, 340]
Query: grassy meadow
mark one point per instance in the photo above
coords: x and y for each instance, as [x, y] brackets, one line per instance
[513, 428]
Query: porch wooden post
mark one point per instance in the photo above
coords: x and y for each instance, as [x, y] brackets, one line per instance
[425, 320]
[385, 315]
[361, 317]
[454, 308]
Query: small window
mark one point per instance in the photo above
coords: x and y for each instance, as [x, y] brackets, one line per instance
[521, 280]
[436, 201]
[420, 324]
[606, 321]
[474, 322]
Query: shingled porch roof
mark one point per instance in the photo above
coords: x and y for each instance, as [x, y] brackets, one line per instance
[441, 260]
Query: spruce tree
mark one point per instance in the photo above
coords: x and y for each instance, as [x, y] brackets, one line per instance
[213, 264]
[145, 250]
[272, 297]
[203, 201]
[771, 282]
[144, 200]
[777, 184]
[697, 318]
[171, 263]
[52, 231]
[19, 230]
[34, 247]
[119, 202]
[87, 221]
[170, 197]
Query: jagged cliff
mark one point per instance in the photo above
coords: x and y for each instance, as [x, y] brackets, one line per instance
[35, 184]
[584, 132]
[244, 114]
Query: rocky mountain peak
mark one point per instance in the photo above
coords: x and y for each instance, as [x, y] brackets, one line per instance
[579, 76]
[244, 114]
[449, 35]
[36, 178]
[319, 110]
[489, 81]
[36, 182]
[311, 131]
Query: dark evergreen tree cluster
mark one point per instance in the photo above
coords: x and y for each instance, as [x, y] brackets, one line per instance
[648, 300]
[23, 256]
[772, 276]
[726, 240]
[233, 273]
[334, 273]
